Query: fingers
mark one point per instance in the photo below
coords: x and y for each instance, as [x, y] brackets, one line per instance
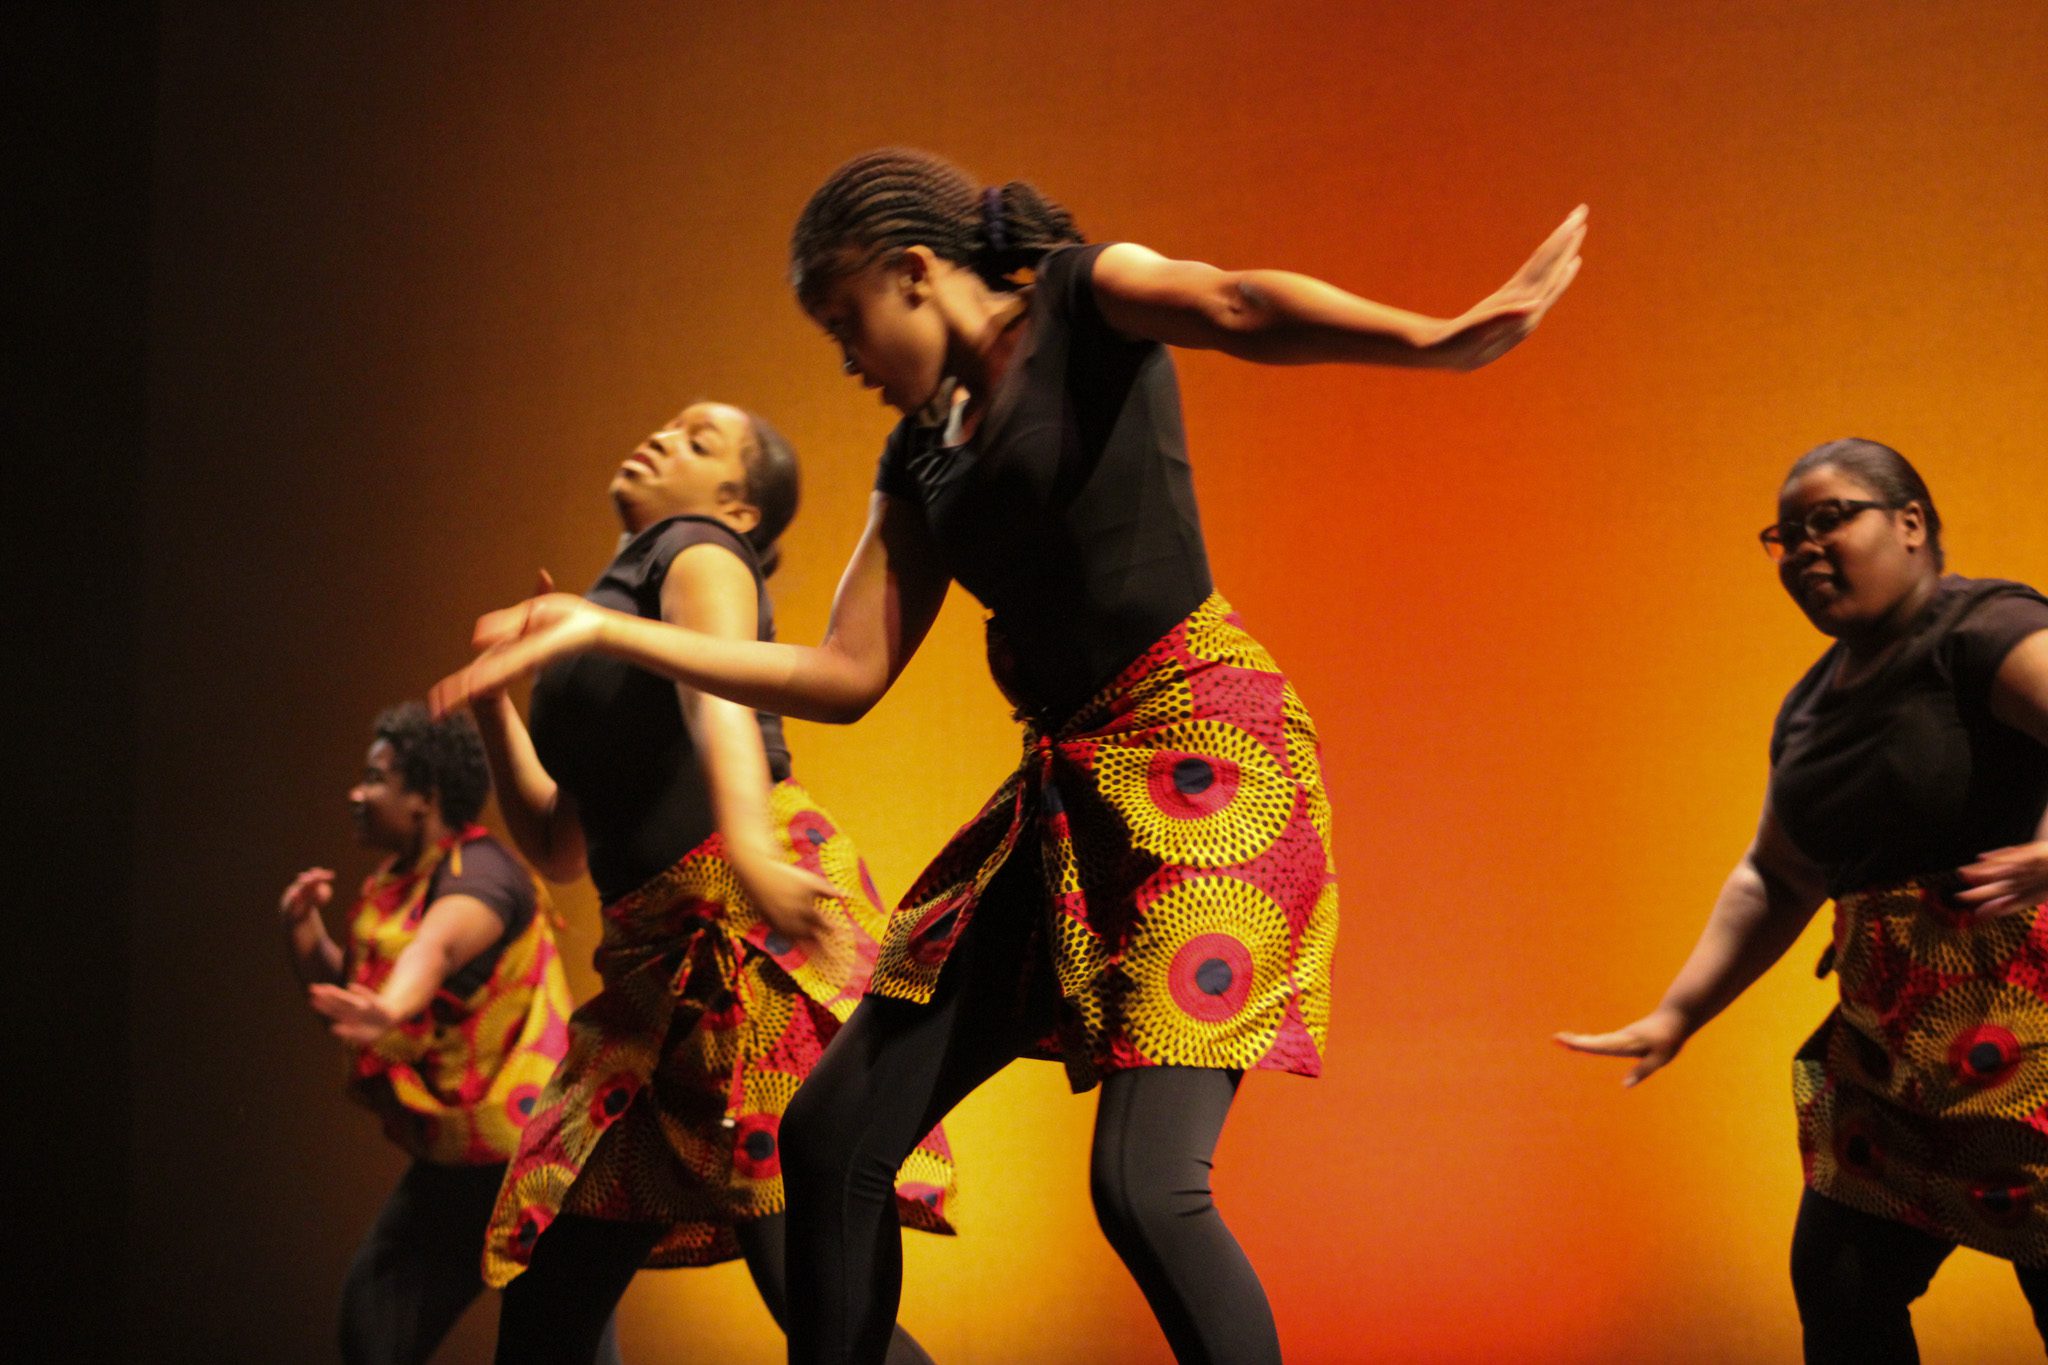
[545, 584]
[1644, 1069]
[1621, 1043]
[495, 627]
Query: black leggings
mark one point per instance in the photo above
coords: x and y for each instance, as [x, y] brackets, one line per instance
[897, 1068]
[559, 1312]
[421, 1266]
[1856, 1276]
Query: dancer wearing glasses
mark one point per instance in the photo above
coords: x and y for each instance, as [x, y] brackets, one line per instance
[1909, 782]
[739, 922]
[1151, 897]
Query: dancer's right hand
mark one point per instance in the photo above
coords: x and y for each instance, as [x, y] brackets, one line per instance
[307, 894]
[1653, 1040]
[795, 902]
[1499, 322]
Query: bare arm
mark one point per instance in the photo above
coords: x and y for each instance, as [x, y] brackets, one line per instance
[709, 590]
[1763, 907]
[2007, 880]
[1277, 317]
[539, 815]
[315, 956]
[453, 932]
[888, 597]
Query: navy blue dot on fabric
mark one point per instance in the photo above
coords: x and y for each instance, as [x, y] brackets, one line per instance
[615, 1103]
[1193, 776]
[2000, 1200]
[526, 1105]
[816, 836]
[759, 1144]
[1859, 1151]
[1214, 976]
[776, 943]
[1053, 804]
[1986, 1058]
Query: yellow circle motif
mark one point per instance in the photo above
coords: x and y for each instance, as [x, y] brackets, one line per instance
[1160, 1024]
[1236, 831]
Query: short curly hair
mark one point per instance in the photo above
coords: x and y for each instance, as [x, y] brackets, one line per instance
[443, 758]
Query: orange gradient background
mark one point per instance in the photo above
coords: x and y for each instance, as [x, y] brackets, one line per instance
[420, 277]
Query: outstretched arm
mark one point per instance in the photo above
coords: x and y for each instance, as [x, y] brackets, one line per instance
[1281, 318]
[454, 930]
[1763, 906]
[887, 599]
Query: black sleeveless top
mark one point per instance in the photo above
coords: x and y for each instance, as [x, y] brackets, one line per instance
[1905, 772]
[613, 735]
[1071, 513]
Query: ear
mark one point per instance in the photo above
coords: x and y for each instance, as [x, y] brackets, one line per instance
[1913, 522]
[915, 267]
[735, 511]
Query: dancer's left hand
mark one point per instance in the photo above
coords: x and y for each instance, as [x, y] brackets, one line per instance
[518, 642]
[1498, 323]
[2006, 881]
[355, 1014]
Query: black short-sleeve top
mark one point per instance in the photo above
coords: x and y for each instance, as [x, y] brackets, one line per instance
[1905, 772]
[492, 875]
[613, 735]
[1071, 513]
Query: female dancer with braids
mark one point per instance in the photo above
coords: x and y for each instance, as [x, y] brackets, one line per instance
[1919, 740]
[1151, 896]
[452, 990]
[739, 923]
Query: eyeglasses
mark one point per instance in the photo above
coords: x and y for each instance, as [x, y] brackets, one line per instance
[1821, 521]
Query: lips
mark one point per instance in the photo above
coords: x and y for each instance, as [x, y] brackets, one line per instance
[642, 459]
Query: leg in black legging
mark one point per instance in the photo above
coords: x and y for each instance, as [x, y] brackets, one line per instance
[1855, 1276]
[2034, 1284]
[559, 1312]
[418, 1268]
[1155, 1140]
[762, 1243]
[891, 1074]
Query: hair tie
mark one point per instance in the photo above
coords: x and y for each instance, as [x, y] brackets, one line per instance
[992, 216]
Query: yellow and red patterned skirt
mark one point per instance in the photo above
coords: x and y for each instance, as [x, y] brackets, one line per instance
[1184, 836]
[1923, 1098]
[668, 1105]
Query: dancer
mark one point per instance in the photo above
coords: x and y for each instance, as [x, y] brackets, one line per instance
[739, 922]
[452, 992]
[1916, 743]
[1167, 919]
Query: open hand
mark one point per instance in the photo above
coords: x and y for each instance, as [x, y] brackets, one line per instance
[355, 1014]
[308, 893]
[516, 642]
[1653, 1040]
[2006, 881]
[1497, 323]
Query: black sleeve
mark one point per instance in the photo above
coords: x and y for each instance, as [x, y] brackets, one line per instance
[1067, 279]
[647, 575]
[1988, 632]
[892, 475]
[493, 876]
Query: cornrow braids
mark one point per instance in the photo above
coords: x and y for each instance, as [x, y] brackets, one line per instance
[771, 466]
[883, 201]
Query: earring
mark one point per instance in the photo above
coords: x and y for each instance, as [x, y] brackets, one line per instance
[847, 367]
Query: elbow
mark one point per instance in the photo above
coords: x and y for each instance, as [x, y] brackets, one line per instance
[844, 712]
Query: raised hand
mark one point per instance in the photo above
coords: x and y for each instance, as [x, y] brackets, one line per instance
[1498, 322]
[308, 894]
[2006, 881]
[1652, 1040]
[355, 1014]
[518, 641]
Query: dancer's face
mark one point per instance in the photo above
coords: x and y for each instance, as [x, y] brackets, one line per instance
[694, 466]
[387, 813]
[888, 320]
[1855, 576]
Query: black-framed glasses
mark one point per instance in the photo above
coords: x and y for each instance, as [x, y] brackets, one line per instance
[1821, 521]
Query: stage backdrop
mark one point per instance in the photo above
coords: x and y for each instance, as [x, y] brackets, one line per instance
[421, 275]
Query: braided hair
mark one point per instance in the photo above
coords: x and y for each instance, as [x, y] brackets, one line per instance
[883, 201]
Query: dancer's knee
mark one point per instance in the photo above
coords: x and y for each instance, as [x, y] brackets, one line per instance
[1138, 1200]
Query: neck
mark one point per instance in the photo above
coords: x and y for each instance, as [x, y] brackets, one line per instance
[432, 832]
[988, 340]
[1881, 634]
